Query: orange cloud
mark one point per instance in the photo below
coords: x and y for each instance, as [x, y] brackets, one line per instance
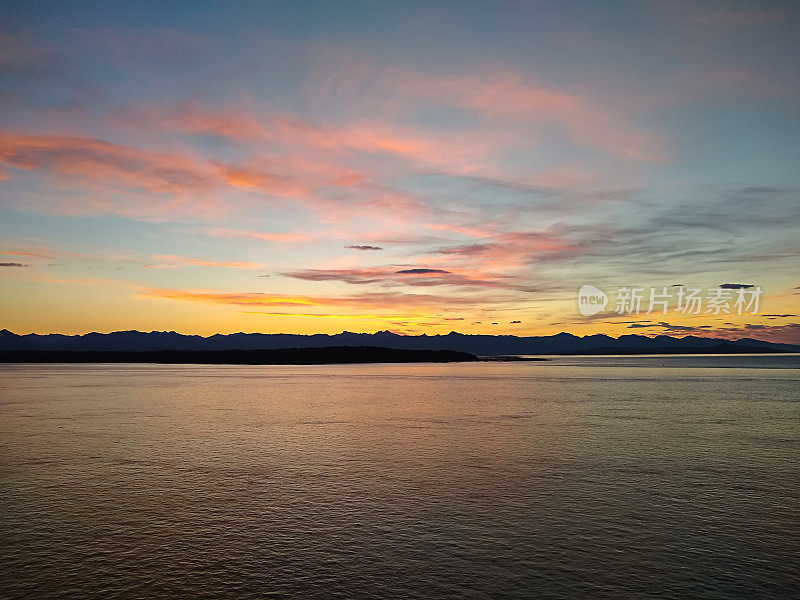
[395, 319]
[258, 180]
[241, 299]
[408, 303]
[24, 253]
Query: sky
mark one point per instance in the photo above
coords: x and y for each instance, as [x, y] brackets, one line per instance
[417, 167]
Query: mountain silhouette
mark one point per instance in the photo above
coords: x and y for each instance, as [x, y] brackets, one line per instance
[482, 345]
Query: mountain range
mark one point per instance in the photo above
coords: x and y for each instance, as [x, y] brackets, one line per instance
[482, 345]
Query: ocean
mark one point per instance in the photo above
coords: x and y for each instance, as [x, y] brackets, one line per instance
[579, 477]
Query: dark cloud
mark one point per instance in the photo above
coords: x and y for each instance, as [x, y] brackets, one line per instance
[788, 333]
[678, 328]
[390, 276]
[736, 286]
[512, 322]
[733, 210]
[421, 271]
[364, 247]
[669, 327]
[773, 316]
[13, 264]
[467, 250]
[618, 322]
[353, 276]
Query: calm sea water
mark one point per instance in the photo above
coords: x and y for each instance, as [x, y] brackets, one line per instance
[612, 477]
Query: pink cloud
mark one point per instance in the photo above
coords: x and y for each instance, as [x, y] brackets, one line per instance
[172, 261]
[513, 250]
[162, 185]
[158, 185]
[188, 118]
[465, 231]
[258, 235]
[245, 125]
[504, 101]
[97, 160]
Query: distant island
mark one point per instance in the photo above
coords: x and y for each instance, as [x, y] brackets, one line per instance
[477, 345]
[283, 356]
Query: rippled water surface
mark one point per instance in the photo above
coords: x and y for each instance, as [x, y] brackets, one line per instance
[607, 477]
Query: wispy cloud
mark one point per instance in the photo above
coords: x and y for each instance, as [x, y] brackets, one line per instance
[92, 162]
[496, 95]
[265, 126]
[670, 327]
[414, 277]
[171, 261]
[396, 302]
[24, 253]
[258, 235]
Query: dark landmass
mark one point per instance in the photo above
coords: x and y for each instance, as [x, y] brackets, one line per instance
[720, 348]
[502, 358]
[480, 345]
[284, 356]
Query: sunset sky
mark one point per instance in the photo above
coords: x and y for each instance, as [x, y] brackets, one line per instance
[423, 167]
